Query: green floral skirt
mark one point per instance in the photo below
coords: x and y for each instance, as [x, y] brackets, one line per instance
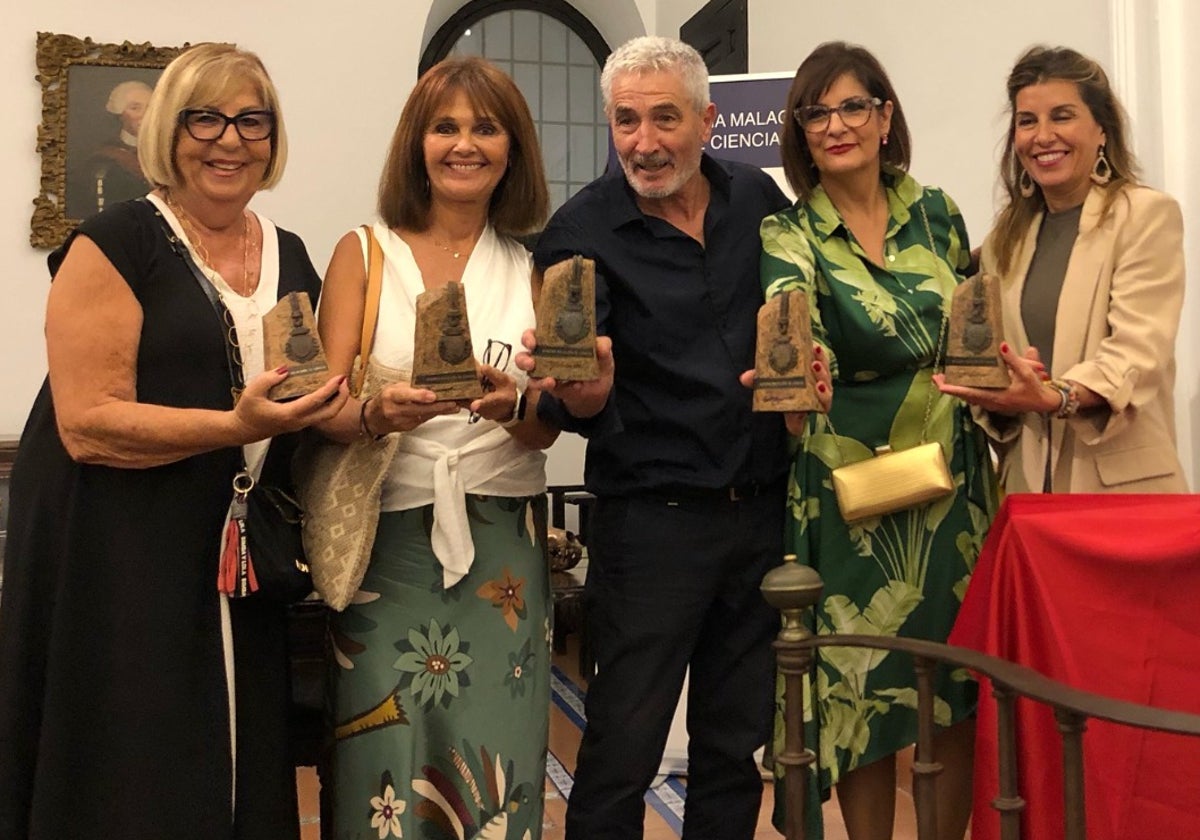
[442, 695]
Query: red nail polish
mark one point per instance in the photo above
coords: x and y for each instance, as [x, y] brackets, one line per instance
[821, 387]
[1003, 346]
[281, 369]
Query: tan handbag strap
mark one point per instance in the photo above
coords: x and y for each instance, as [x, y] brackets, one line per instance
[371, 309]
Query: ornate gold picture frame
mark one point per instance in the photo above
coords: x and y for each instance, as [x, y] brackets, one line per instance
[92, 95]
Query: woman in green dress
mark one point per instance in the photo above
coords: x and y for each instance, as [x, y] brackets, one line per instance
[878, 256]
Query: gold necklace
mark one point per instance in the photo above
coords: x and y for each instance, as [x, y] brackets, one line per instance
[453, 252]
[185, 221]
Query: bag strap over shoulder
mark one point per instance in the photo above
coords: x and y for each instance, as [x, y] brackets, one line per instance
[371, 310]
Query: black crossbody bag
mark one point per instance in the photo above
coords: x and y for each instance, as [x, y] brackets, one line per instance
[263, 554]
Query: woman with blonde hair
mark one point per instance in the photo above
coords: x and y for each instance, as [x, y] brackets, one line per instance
[139, 699]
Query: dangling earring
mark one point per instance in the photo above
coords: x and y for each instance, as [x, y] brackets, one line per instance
[1101, 171]
[1025, 183]
[883, 140]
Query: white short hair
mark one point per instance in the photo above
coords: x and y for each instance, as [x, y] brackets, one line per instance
[654, 53]
[118, 100]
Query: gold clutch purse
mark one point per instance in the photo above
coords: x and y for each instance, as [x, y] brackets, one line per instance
[892, 481]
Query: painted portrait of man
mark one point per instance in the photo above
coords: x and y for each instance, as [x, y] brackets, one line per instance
[102, 164]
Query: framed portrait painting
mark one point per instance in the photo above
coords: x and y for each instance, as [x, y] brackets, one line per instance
[93, 98]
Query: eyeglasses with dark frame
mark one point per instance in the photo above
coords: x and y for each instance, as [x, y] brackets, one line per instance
[207, 125]
[495, 354]
[854, 113]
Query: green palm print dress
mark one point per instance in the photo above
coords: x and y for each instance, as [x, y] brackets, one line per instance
[902, 574]
[442, 695]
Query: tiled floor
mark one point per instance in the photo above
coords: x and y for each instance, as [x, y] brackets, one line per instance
[564, 741]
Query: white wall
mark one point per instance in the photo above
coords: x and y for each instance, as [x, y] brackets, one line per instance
[342, 77]
[947, 61]
[1179, 85]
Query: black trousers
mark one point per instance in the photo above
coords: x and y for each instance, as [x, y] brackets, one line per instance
[673, 584]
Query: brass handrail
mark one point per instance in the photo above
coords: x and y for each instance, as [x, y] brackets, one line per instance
[1027, 683]
[793, 589]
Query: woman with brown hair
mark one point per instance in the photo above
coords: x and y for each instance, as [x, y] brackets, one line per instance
[1091, 270]
[878, 256]
[450, 629]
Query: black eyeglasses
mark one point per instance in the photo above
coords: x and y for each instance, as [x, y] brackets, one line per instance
[854, 113]
[496, 354]
[207, 125]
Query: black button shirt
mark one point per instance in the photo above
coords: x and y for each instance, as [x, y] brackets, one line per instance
[682, 319]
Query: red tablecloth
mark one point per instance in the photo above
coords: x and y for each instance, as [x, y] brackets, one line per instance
[1101, 592]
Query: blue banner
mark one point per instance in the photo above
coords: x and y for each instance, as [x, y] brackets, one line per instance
[750, 115]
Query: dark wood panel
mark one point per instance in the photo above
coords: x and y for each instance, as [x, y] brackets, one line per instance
[720, 32]
[8, 452]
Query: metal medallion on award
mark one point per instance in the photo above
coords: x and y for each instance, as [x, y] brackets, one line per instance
[973, 345]
[442, 358]
[290, 340]
[783, 356]
[566, 321]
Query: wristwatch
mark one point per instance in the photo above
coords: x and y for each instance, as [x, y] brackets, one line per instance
[518, 410]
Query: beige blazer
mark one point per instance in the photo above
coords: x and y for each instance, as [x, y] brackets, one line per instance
[1115, 334]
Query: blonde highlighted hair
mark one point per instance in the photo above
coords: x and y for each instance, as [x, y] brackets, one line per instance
[1041, 64]
[201, 77]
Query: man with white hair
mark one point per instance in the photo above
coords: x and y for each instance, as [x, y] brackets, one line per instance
[689, 484]
[114, 173]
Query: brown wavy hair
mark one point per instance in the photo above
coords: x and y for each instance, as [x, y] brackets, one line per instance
[520, 202]
[1046, 64]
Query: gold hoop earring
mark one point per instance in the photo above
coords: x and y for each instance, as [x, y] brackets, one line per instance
[1025, 183]
[1101, 172]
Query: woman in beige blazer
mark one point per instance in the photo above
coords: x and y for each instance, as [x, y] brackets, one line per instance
[1091, 270]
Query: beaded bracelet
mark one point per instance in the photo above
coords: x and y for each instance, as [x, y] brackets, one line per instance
[1069, 397]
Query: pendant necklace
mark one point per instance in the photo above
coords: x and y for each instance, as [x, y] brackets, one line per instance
[456, 253]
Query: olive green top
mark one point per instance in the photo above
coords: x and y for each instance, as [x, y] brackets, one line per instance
[1043, 283]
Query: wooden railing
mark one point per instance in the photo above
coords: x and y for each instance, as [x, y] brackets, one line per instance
[793, 589]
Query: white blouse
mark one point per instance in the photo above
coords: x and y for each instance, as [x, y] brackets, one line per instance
[446, 457]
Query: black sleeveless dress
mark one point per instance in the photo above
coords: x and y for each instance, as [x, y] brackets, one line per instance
[114, 713]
